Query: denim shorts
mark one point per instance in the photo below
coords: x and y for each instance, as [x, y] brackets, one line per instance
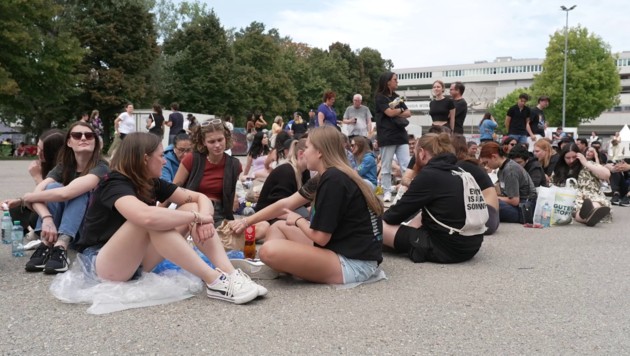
[88, 262]
[356, 271]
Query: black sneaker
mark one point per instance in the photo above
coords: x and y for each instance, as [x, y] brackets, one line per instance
[58, 262]
[615, 200]
[625, 201]
[38, 259]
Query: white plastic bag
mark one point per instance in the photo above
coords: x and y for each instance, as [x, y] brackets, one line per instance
[79, 285]
[564, 203]
[546, 196]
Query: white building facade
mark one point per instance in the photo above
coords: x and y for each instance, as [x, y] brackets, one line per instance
[487, 82]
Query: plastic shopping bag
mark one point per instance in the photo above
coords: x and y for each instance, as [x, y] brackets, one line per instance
[564, 203]
[542, 212]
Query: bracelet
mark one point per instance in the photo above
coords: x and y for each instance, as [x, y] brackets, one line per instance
[298, 219]
[195, 219]
[46, 216]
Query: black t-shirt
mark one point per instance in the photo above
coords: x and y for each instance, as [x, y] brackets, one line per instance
[436, 188]
[279, 185]
[537, 121]
[536, 172]
[439, 109]
[178, 122]
[102, 219]
[387, 132]
[341, 210]
[481, 177]
[157, 129]
[299, 129]
[461, 109]
[100, 170]
[519, 119]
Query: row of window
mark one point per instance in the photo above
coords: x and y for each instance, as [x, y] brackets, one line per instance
[420, 75]
[623, 62]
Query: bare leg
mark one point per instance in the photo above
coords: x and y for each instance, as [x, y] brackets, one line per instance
[261, 230]
[129, 247]
[291, 233]
[389, 233]
[307, 262]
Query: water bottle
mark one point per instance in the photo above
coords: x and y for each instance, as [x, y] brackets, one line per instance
[546, 215]
[7, 228]
[17, 246]
[248, 210]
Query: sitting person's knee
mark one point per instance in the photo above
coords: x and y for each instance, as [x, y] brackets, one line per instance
[268, 253]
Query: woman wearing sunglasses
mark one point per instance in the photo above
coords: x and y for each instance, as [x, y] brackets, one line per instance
[61, 199]
[209, 170]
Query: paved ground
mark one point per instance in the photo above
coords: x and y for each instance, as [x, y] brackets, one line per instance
[563, 290]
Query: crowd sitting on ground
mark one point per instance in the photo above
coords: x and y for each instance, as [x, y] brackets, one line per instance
[320, 213]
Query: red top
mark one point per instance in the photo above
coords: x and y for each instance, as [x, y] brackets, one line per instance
[211, 183]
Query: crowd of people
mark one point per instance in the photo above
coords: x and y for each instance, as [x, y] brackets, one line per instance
[323, 186]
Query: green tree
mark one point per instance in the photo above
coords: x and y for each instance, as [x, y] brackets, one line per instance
[121, 41]
[38, 63]
[593, 83]
[501, 107]
[198, 62]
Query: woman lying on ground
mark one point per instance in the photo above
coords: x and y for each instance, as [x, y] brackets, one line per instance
[125, 233]
[61, 199]
[342, 242]
[591, 206]
[436, 191]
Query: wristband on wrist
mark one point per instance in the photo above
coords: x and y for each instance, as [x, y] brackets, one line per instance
[46, 216]
[298, 219]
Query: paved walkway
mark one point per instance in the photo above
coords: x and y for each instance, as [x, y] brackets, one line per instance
[563, 290]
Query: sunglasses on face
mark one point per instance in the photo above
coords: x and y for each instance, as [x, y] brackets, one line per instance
[88, 135]
[183, 150]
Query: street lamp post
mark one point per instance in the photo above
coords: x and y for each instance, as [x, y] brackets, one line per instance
[564, 83]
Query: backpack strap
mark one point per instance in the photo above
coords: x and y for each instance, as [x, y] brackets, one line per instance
[451, 230]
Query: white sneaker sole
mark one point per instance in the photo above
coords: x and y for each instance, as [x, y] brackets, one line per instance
[241, 299]
[255, 269]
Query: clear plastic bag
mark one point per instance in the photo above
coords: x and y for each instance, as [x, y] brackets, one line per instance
[80, 285]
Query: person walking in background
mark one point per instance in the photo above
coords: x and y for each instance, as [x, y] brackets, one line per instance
[192, 122]
[392, 138]
[175, 123]
[155, 122]
[125, 123]
[486, 128]
[441, 108]
[517, 120]
[537, 121]
[461, 106]
[326, 114]
[357, 119]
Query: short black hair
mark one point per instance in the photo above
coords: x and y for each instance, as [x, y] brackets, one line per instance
[524, 96]
[519, 151]
[582, 141]
[460, 87]
[544, 98]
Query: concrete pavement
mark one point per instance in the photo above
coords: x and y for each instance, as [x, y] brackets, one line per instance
[562, 290]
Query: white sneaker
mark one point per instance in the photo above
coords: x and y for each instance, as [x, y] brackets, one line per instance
[399, 195]
[245, 279]
[232, 289]
[255, 269]
[387, 197]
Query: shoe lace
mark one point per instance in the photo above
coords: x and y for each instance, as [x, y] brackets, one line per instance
[59, 254]
[42, 250]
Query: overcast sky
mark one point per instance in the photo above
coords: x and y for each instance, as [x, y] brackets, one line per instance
[426, 33]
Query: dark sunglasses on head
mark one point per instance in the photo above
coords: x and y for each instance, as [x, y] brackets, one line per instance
[88, 135]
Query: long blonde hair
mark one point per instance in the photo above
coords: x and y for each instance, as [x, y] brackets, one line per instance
[296, 147]
[546, 147]
[329, 141]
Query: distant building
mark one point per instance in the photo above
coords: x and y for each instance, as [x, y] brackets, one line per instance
[486, 82]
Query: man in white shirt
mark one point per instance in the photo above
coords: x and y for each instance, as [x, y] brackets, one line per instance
[357, 120]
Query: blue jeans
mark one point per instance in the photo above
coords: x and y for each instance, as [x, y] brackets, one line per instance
[387, 156]
[67, 215]
[509, 213]
[355, 271]
[520, 138]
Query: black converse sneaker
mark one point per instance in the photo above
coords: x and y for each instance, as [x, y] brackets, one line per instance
[58, 261]
[38, 259]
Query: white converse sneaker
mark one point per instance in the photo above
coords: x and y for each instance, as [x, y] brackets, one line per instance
[232, 288]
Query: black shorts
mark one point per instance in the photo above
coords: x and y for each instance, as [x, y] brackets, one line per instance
[419, 245]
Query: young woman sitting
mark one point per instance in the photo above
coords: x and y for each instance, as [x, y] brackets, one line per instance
[62, 197]
[342, 241]
[125, 233]
[440, 195]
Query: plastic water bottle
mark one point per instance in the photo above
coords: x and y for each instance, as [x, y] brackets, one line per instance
[17, 245]
[7, 228]
[248, 210]
[546, 215]
[249, 250]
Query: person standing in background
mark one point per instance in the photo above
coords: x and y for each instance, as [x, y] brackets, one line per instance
[461, 106]
[155, 122]
[125, 123]
[357, 119]
[517, 120]
[175, 122]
